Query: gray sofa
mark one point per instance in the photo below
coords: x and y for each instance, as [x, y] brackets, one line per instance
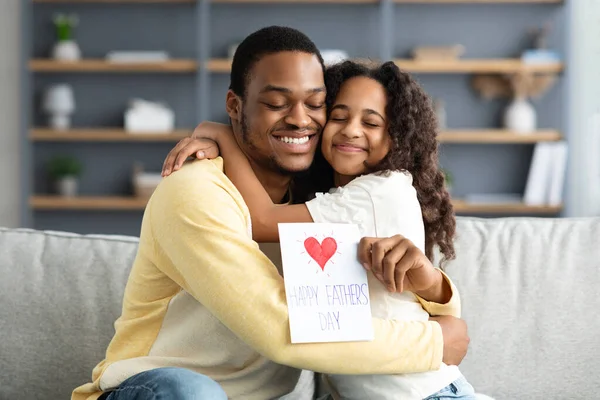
[528, 287]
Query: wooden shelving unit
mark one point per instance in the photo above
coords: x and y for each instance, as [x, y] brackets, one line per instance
[91, 65]
[196, 72]
[495, 136]
[104, 135]
[124, 203]
[465, 66]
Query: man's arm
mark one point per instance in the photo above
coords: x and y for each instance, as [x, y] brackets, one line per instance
[444, 291]
[201, 240]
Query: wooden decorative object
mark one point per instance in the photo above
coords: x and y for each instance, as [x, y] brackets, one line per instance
[144, 183]
[525, 84]
[438, 53]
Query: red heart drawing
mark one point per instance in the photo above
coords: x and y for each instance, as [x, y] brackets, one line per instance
[321, 252]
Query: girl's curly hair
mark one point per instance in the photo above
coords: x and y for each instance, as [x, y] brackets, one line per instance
[412, 125]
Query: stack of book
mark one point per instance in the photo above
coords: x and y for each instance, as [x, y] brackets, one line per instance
[545, 181]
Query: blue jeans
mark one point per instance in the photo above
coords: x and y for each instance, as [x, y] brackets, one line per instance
[167, 384]
[459, 389]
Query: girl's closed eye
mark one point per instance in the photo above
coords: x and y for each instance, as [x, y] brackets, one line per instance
[338, 116]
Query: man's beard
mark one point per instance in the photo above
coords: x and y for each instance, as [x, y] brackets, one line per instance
[269, 162]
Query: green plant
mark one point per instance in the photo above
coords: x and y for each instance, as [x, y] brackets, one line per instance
[448, 177]
[64, 166]
[64, 26]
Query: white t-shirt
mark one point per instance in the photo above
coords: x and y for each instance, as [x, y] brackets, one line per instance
[383, 205]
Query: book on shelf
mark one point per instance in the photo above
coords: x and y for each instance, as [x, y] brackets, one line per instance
[545, 180]
[137, 56]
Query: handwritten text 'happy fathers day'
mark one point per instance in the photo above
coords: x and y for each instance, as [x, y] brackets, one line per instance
[329, 295]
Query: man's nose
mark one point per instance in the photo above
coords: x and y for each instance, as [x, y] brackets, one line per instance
[298, 117]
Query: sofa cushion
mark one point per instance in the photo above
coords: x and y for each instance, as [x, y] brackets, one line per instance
[59, 297]
[529, 293]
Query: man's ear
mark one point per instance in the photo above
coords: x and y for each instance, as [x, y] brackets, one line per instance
[233, 104]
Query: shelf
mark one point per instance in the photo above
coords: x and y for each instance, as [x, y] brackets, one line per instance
[123, 203]
[219, 65]
[454, 67]
[104, 135]
[49, 202]
[298, 1]
[477, 1]
[488, 66]
[113, 1]
[99, 65]
[494, 136]
[461, 207]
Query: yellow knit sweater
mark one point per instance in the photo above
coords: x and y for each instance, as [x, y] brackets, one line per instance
[201, 295]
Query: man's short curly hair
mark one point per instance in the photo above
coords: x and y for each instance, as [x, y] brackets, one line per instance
[266, 41]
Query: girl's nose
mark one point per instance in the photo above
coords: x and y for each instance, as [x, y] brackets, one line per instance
[352, 130]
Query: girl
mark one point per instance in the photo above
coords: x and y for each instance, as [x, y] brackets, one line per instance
[380, 140]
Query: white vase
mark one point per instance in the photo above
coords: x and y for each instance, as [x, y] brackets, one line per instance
[60, 122]
[66, 50]
[520, 116]
[59, 103]
[67, 186]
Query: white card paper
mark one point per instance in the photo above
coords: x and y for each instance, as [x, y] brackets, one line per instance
[326, 286]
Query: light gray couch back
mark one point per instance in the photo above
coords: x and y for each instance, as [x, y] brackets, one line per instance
[529, 293]
[59, 297]
[527, 285]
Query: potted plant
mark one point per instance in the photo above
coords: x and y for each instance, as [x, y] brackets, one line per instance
[449, 180]
[65, 49]
[65, 173]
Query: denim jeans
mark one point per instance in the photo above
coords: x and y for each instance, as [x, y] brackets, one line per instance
[459, 389]
[167, 384]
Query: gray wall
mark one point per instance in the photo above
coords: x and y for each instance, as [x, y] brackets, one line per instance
[10, 190]
[498, 30]
[583, 186]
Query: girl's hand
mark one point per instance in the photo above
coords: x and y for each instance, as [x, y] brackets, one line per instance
[189, 147]
[399, 264]
[202, 144]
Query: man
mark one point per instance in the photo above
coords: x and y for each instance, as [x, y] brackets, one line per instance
[204, 312]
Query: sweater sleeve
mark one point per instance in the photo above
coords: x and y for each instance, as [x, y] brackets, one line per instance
[200, 226]
[452, 307]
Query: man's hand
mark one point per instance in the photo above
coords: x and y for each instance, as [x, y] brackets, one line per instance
[399, 264]
[456, 338]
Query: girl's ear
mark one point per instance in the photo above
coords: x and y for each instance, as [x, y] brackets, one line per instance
[390, 143]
